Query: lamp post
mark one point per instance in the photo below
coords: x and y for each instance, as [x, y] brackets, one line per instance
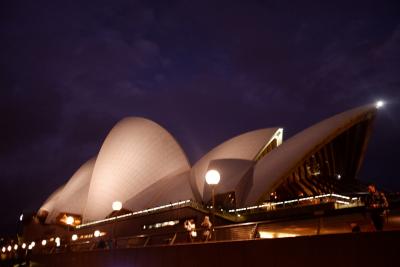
[69, 221]
[212, 179]
[116, 206]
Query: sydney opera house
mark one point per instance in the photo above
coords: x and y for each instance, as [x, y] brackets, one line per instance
[141, 165]
[140, 190]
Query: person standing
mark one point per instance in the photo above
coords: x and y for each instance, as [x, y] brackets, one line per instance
[376, 204]
[190, 226]
[206, 225]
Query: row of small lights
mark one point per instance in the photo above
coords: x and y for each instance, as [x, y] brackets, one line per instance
[117, 205]
[57, 240]
[379, 104]
[159, 225]
[212, 177]
[133, 213]
[30, 246]
[23, 246]
[97, 233]
[297, 200]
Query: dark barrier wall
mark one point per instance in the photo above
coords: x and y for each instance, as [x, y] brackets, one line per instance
[361, 249]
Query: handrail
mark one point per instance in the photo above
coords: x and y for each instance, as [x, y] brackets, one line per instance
[256, 224]
[232, 232]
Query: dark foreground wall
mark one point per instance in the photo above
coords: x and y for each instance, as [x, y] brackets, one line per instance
[363, 249]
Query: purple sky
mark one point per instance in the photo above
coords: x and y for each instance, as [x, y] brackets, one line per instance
[206, 71]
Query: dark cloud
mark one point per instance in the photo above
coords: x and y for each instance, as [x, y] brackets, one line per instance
[29, 113]
[205, 70]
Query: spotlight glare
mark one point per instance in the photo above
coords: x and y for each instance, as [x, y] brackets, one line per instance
[379, 104]
[70, 220]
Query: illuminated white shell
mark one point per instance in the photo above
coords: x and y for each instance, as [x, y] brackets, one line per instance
[136, 154]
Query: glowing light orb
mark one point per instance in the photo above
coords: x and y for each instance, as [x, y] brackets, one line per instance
[212, 177]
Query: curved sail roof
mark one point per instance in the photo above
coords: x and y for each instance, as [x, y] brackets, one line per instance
[136, 154]
[142, 165]
[51, 201]
[246, 146]
[166, 190]
[72, 198]
[280, 162]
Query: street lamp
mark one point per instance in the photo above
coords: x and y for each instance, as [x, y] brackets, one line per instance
[70, 220]
[116, 206]
[212, 179]
[96, 233]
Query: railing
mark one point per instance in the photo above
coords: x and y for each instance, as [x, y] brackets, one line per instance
[315, 225]
[140, 212]
[268, 206]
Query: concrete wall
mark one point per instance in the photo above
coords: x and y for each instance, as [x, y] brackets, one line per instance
[361, 249]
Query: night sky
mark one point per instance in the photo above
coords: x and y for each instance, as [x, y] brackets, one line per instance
[205, 71]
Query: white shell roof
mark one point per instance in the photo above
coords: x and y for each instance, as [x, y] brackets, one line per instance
[275, 165]
[136, 154]
[72, 198]
[169, 189]
[245, 146]
[50, 202]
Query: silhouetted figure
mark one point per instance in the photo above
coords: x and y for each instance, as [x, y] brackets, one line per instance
[377, 204]
[256, 234]
[190, 226]
[102, 244]
[110, 243]
[206, 226]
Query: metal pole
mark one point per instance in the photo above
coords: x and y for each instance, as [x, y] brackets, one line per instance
[213, 212]
[213, 197]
